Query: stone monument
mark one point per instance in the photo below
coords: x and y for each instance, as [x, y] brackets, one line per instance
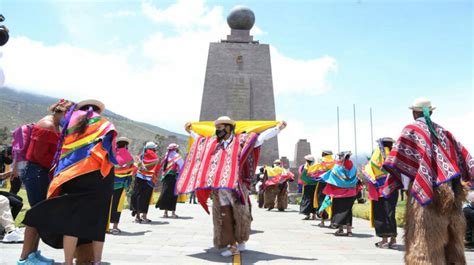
[238, 80]
[302, 148]
[285, 161]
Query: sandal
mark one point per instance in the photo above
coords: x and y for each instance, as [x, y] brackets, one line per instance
[115, 231]
[165, 216]
[231, 251]
[306, 218]
[138, 220]
[147, 220]
[382, 245]
[392, 245]
[340, 233]
[175, 216]
[349, 234]
[321, 225]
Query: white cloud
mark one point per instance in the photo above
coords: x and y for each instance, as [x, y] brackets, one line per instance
[185, 14]
[301, 76]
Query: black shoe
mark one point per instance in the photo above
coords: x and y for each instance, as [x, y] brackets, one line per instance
[281, 209]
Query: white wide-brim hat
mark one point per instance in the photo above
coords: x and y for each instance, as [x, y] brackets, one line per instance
[278, 161]
[309, 158]
[224, 120]
[92, 102]
[124, 139]
[387, 139]
[421, 103]
[327, 152]
[173, 146]
[151, 145]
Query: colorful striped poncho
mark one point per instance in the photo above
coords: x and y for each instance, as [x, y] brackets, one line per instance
[341, 180]
[80, 154]
[172, 164]
[311, 173]
[211, 166]
[208, 167]
[124, 169]
[277, 175]
[148, 167]
[429, 157]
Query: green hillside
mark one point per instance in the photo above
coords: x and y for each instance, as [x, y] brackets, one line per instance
[17, 108]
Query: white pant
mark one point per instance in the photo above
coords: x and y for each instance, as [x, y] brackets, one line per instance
[225, 197]
[6, 218]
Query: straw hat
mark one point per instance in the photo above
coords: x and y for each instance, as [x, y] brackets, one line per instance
[124, 139]
[278, 161]
[224, 120]
[309, 158]
[151, 145]
[387, 139]
[173, 146]
[327, 152]
[421, 103]
[92, 102]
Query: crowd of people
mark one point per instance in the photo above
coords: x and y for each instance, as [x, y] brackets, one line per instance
[68, 161]
[73, 158]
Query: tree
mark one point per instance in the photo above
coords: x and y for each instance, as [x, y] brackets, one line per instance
[5, 136]
[160, 140]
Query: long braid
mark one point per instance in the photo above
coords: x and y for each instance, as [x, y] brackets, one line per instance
[61, 139]
[426, 114]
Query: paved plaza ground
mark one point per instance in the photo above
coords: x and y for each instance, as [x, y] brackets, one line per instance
[277, 238]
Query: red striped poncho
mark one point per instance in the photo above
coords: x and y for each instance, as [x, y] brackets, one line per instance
[210, 166]
[428, 160]
[148, 167]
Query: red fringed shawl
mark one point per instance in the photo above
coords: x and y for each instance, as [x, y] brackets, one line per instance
[211, 166]
[429, 161]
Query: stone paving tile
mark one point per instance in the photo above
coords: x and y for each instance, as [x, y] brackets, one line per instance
[277, 238]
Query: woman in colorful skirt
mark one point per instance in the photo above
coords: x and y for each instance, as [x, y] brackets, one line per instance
[309, 187]
[145, 181]
[172, 166]
[123, 177]
[383, 209]
[311, 174]
[341, 186]
[77, 208]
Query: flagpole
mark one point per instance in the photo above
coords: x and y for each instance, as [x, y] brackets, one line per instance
[355, 134]
[338, 133]
[371, 131]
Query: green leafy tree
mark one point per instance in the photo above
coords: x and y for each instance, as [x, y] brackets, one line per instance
[5, 135]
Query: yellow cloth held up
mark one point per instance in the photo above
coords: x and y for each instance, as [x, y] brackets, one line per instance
[207, 128]
[275, 171]
[325, 164]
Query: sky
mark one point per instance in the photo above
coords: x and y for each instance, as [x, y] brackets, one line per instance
[146, 60]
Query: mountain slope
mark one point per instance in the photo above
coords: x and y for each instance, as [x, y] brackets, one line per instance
[17, 108]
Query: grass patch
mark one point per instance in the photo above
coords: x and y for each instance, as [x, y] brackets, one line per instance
[363, 211]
